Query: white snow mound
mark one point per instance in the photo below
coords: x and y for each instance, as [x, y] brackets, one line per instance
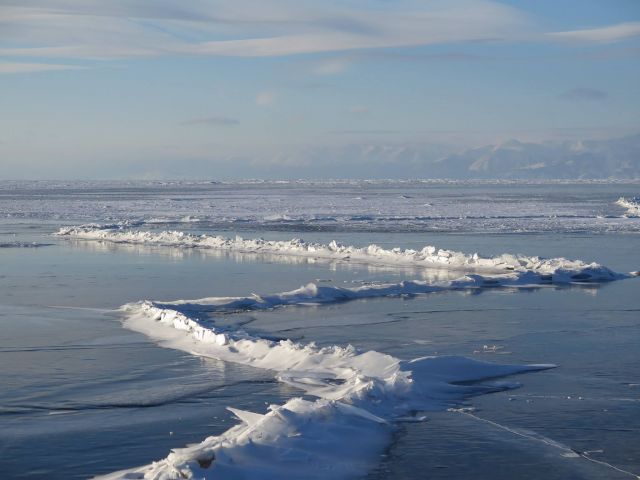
[631, 204]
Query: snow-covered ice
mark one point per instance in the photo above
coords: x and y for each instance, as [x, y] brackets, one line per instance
[345, 206]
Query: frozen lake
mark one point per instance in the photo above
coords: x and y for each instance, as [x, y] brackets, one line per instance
[84, 396]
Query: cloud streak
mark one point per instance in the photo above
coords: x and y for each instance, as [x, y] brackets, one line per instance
[95, 30]
[265, 99]
[212, 121]
[608, 34]
[127, 29]
[582, 93]
[331, 66]
[359, 110]
[16, 68]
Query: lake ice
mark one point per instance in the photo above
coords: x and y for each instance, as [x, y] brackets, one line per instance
[79, 384]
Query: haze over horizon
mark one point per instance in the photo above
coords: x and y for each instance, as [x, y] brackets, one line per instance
[302, 89]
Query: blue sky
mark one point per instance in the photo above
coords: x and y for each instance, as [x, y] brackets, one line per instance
[131, 89]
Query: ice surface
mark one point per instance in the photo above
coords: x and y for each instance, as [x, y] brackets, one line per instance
[533, 269]
[343, 206]
[23, 244]
[352, 398]
[360, 395]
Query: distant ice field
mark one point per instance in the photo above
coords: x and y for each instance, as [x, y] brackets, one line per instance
[367, 206]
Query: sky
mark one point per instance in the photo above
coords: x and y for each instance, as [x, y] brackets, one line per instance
[247, 89]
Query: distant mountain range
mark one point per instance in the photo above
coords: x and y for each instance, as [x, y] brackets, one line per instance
[616, 158]
[613, 158]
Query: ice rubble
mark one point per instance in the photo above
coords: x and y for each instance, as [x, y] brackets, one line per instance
[556, 270]
[631, 204]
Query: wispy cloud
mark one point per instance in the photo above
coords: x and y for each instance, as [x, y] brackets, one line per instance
[331, 66]
[359, 110]
[608, 34]
[14, 68]
[125, 29]
[367, 132]
[98, 30]
[212, 121]
[265, 99]
[582, 93]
